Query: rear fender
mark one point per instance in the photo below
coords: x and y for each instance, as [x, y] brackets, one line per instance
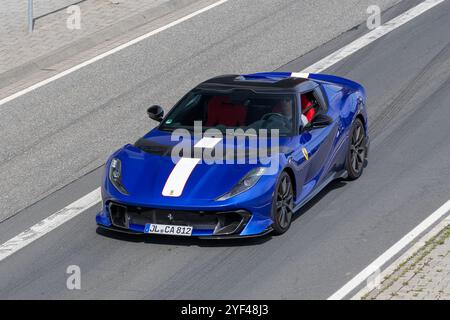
[343, 82]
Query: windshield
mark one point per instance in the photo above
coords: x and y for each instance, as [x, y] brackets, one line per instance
[238, 109]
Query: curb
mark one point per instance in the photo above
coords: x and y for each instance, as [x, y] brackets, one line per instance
[420, 244]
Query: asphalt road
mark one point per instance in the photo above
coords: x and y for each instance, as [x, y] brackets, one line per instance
[64, 130]
[407, 77]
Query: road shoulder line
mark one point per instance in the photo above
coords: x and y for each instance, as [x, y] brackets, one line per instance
[48, 224]
[371, 36]
[108, 53]
[411, 252]
[375, 267]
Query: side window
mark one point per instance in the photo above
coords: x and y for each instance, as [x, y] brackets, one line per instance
[322, 106]
[312, 104]
[309, 105]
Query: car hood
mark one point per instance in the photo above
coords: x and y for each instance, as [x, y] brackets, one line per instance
[147, 166]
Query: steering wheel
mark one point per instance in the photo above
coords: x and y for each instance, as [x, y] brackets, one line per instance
[273, 114]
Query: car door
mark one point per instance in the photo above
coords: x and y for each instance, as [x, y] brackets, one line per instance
[315, 145]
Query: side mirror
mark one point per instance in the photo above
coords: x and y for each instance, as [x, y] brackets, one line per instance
[156, 113]
[321, 121]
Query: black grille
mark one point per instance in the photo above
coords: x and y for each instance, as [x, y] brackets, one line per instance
[222, 223]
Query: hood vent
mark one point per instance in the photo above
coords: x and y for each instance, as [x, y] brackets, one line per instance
[152, 147]
[155, 148]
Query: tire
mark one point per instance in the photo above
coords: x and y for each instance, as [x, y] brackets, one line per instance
[282, 204]
[357, 151]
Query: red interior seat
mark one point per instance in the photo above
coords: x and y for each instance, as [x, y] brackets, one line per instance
[222, 112]
[306, 103]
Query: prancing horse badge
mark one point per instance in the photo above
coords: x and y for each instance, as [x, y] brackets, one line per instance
[305, 153]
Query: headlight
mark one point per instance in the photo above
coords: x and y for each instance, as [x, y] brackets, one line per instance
[115, 175]
[248, 181]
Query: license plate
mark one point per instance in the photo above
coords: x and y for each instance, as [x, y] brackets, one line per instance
[168, 229]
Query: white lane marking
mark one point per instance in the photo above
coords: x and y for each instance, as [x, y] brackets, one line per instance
[389, 270]
[378, 263]
[110, 52]
[180, 174]
[49, 226]
[373, 35]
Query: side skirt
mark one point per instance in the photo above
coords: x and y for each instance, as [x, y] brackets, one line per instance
[337, 175]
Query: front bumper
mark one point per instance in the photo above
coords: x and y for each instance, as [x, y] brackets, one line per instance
[211, 223]
[212, 237]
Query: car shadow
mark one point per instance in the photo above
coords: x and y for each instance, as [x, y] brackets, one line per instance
[181, 241]
[336, 184]
[188, 241]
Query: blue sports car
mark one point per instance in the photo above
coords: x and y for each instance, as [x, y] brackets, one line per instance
[237, 156]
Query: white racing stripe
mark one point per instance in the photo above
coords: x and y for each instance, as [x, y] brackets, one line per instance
[207, 142]
[380, 262]
[303, 75]
[110, 52]
[179, 176]
[183, 169]
[91, 199]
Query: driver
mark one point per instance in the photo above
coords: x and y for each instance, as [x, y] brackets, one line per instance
[284, 108]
